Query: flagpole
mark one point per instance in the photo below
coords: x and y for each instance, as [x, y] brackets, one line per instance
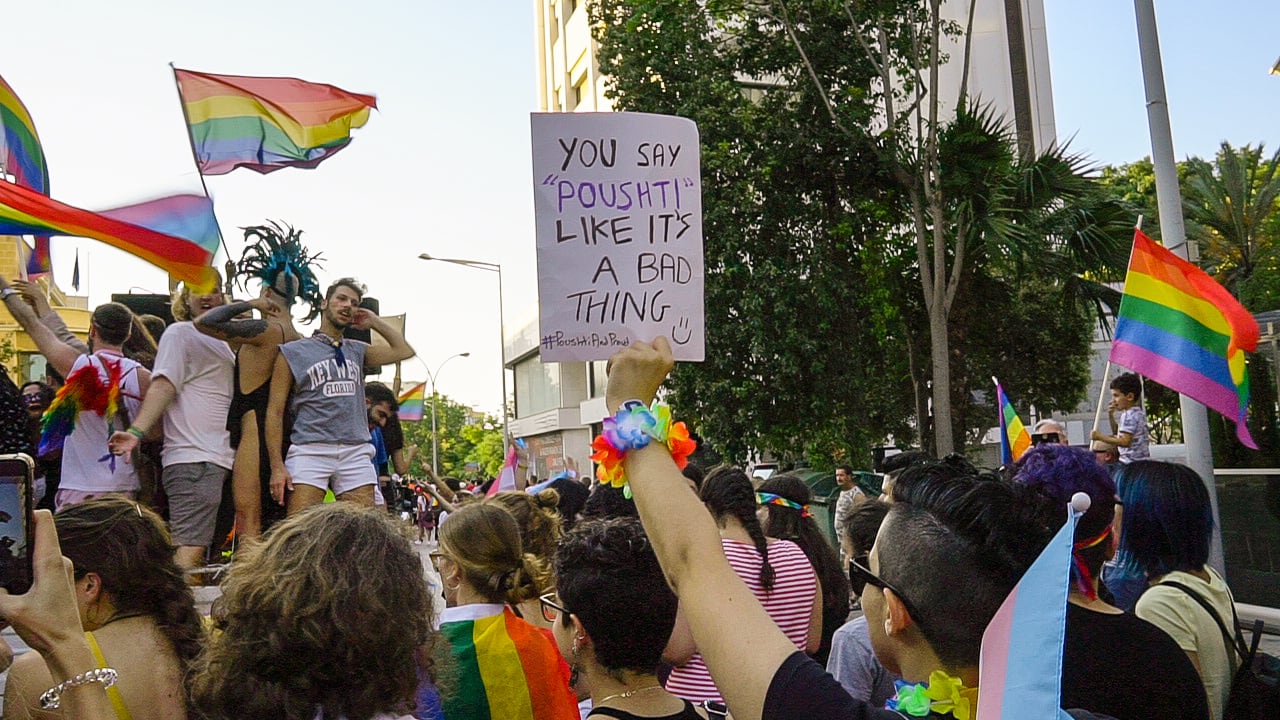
[1195, 419]
[1102, 395]
[191, 142]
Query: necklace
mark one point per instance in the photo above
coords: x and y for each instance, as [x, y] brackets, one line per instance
[628, 693]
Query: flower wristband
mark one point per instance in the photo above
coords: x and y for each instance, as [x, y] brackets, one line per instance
[632, 428]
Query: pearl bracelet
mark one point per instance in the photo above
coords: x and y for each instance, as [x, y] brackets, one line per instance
[52, 697]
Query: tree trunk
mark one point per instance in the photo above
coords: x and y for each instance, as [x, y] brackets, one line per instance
[940, 345]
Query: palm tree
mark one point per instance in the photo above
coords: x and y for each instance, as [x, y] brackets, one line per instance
[1228, 204]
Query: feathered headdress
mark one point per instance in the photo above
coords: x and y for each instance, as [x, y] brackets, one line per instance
[276, 257]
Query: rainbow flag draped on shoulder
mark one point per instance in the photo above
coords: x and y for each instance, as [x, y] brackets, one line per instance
[266, 123]
[1014, 438]
[411, 403]
[1179, 327]
[506, 668]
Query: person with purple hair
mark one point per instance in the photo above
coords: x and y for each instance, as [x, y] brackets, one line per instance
[1113, 662]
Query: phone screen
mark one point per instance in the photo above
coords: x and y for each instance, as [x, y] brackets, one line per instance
[16, 478]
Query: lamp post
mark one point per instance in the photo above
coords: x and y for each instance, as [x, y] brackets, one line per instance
[435, 440]
[502, 339]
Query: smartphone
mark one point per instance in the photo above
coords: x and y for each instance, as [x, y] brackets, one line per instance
[17, 478]
[1042, 438]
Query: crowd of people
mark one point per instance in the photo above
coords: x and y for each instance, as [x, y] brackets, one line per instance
[682, 592]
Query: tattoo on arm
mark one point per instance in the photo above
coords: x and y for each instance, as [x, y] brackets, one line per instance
[221, 323]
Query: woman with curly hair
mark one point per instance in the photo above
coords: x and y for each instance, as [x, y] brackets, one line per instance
[504, 667]
[136, 608]
[328, 617]
[784, 515]
[539, 524]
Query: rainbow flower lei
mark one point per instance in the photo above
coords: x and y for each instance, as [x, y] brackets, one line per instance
[633, 427]
[944, 694]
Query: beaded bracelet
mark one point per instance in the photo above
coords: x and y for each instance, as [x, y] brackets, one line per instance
[632, 428]
[52, 698]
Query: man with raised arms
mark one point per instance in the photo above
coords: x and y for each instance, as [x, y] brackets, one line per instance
[330, 447]
[276, 257]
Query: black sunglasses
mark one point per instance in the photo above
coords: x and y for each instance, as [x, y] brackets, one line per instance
[550, 608]
[864, 575]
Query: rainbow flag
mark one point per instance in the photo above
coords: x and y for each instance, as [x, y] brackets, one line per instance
[266, 123]
[507, 476]
[20, 150]
[411, 403]
[23, 211]
[1014, 438]
[506, 668]
[1179, 327]
[22, 156]
[1020, 666]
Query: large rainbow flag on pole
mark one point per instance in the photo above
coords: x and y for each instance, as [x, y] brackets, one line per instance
[1179, 327]
[22, 156]
[170, 233]
[1020, 666]
[411, 403]
[266, 123]
[1014, 438]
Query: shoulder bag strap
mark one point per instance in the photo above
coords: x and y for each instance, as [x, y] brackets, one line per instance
[1232, 648]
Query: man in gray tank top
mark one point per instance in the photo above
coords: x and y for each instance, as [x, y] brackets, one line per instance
[321, 378]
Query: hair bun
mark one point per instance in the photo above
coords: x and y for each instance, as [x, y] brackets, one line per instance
[548, 498]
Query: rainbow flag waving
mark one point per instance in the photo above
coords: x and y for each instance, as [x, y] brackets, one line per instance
[1014, 438]
[411, 403]
[506, 668]
[1020, 666]
[21, 154]
[506, 479]
[266, 123]
[1179, 327]
[23, 211]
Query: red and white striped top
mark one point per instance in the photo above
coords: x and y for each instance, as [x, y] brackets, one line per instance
[789, 603]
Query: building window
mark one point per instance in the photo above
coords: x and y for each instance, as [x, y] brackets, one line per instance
[537, 387]
[597, 378]
[569, 7]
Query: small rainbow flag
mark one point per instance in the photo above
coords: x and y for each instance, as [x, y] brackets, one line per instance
[23, 211]
[266, 123]
[506, 668]
[1179, 327]
[1020, 667]
[506, 479]
[1014, 438]
[411, 403]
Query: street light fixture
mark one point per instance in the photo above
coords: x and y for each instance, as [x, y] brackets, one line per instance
[435, 440]
[502, 338]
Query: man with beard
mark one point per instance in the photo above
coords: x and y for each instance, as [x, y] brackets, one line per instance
[330, 447]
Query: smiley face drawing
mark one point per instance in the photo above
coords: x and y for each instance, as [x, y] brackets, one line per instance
[681, 328]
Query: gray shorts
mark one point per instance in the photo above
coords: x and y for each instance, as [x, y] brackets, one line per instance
[194, 491]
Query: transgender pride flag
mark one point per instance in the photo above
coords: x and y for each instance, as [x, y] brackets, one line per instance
[1020, 670]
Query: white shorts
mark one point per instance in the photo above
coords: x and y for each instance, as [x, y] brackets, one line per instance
[341, 468]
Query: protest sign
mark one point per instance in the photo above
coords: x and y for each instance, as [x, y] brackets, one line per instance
[618, 215]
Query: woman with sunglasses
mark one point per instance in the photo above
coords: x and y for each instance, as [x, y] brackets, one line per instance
[505, 667]
[784, 515]
[613, 641]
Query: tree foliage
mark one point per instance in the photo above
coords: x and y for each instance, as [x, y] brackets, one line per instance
[470, 446]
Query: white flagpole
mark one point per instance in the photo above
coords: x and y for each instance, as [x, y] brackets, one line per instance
[1195, 419]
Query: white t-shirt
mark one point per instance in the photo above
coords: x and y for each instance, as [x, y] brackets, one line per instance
[84, 465]
[200, 368]
[1173, 611]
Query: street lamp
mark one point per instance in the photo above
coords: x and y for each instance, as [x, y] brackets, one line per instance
[502, 338]
[435, 440]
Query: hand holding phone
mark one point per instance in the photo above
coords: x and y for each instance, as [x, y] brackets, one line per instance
[17, 478]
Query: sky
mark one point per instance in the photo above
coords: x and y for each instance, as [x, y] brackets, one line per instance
[443, 166]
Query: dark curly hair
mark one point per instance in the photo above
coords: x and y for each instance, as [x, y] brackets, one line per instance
[129, 549]
[538, 521]
[326, 617]
[599, 562]
[727, 492]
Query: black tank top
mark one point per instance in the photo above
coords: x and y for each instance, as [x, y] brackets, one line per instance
[688, 713]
